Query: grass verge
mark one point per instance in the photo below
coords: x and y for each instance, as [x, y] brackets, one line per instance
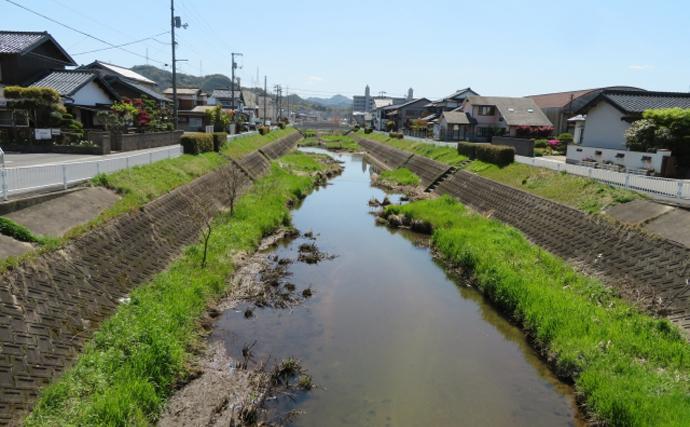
[239, 147]
[629, 369]
[400, 176]
[447, 155]
[340, 142]
[583, 193]
[132, 363]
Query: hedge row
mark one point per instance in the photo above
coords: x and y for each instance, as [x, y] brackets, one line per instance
[197, 143]
[398, 135]
[500, 155]
[219, 138]
[282, 125]
[467, 149]
[263, 130]
[368, 130]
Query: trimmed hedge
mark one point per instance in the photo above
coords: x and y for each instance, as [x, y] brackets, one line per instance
[198, 143]
[282, 125]
[398, 135]
[500, 155]
[263, 130]
[467, 149]
[219, 138]
[368, 130]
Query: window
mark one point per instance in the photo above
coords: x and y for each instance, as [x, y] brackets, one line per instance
[483, 132]
[487, 110]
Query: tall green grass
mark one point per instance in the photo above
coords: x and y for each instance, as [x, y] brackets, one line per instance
[630, 369]
[401, 176]
[131, 364]
[586, 194]
[340, 142]
[447, 155]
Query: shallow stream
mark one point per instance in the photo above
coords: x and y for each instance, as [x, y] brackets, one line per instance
[393, 338]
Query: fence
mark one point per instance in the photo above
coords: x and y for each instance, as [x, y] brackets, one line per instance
[673, 188]
[34, 177]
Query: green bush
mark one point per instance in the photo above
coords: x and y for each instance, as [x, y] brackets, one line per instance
[219, 138]
[16, 231]
[467, 149]
[368, 130]
[396, 135]
[356, 128]
[263, 130]
[565, 139]
[197, 144]
[390, 126]
[282, 125]
[539, 152]
[541, 143]
[500, 155]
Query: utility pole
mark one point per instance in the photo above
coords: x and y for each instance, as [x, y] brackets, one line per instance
[233, 78]
[288, 102]
[265, 96]
[173, 22]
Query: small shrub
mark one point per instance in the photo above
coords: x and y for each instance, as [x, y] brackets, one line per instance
[500, 155]
[541, 143]
[219, 138]
[565, 140]
[263, 130]
[356, 128]
[467, 149]
[282, 125]
[390, 126]
[197, 144]
[368, 130]
[539, 152]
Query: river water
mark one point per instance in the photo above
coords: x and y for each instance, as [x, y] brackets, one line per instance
[391, 338]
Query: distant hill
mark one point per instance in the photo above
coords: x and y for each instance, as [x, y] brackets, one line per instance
[164, 79]
[337, 101]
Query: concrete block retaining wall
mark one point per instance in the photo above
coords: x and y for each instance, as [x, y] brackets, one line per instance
[523, 146]
[142, 141]
[50, 307]
[426, 169]
[618, 253]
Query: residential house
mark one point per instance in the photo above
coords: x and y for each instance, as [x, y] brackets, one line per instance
[447, 103]
[379, 112]
[251, 106]
[403, 114]
[187, 98]
[452, 125]
[485, 112]
[612, 112]
[227, 98]
[83, 92]
[267, 108]
[560, 107]
[130, 89]
[121, 72]
[24, 57]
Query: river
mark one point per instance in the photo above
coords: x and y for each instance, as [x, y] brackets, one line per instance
[390, 336]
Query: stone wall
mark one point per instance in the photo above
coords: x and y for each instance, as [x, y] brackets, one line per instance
[619, 253]
[142, 141]
[50, 306]
[523, 146]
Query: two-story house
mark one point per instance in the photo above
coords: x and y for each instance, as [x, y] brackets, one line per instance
[227, 98]
[404, 113]
[485, 112]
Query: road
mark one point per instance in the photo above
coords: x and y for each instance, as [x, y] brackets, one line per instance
[14, 159]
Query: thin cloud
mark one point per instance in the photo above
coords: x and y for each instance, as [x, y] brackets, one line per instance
[314, 79]
[641, 67]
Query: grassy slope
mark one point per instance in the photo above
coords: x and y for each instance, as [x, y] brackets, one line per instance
[447, 155]
[129, 366]
[400, 176]
[631, 369]
[239, 147]
[582, 193]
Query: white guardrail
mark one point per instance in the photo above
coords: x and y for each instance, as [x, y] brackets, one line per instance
[34, 177]
[667, 187]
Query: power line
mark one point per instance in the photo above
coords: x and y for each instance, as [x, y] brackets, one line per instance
[126, 44]
[80, 32]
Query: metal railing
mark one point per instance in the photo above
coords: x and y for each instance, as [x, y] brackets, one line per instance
[26, 178]
[666, 187]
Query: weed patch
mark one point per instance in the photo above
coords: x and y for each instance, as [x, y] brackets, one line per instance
[447, 155]
[400, 176]
[629, 369]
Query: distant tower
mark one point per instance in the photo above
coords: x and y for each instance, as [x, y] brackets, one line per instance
[367, 99]
[409, 95]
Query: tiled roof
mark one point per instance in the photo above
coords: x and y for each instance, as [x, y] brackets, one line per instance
[515, 111]
[638, 102]
[451, 96]
[181, 91]
[66, 82]
[226, 94]
[17, 42]
[457, 118]
[122, 71]
[562, 99]
[382, 102]
[148, 92]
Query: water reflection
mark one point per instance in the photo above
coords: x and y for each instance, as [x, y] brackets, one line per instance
[391, 335]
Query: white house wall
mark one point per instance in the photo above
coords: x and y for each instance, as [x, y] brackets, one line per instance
[91, 94]
[604, 127]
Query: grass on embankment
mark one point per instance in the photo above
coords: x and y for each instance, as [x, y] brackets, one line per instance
[239, 147]
[400, 176]
[447, 155]
[583, 193]
[131, 364]
[629, 369]
[340, 142]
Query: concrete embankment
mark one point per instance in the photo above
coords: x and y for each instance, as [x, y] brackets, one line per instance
[652, 268]
[51, 305]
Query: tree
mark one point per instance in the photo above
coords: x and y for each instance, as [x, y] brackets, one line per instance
[232, 180]
[666, 128]
[220, 120]
[39, 102]
[202, 213]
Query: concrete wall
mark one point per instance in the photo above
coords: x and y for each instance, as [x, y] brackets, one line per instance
[604, 127]
[523, 146]
[141, 141]
[91, 94]
[629, 159]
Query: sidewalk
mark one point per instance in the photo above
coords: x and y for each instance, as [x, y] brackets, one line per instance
[14, 159]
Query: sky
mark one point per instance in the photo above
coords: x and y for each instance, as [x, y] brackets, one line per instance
[497, 47]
